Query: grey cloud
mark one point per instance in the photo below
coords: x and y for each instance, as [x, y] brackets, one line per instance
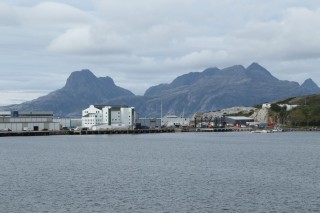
[8, 15]
[143, 43]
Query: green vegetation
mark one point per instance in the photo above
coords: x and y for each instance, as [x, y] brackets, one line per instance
[275, 108]
[278, 113]
[306, 100]
[306, 114]
[258, 106]
[286, 101]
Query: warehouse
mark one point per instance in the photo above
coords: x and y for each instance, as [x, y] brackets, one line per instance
[69, 123]
[174, 121]
[237, 120]
[148, 123]
[27, 121]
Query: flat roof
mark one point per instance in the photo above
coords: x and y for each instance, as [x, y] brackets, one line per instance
[239, 118]
[100, 106]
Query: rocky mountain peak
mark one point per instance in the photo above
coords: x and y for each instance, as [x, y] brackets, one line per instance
[107, 80]
[80, 78]
[257, 72]
[310, 85]
[209, 90]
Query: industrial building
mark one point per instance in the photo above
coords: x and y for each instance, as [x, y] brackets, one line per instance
[174, 121]
[237, 120]
[108, 117]
[148, 123]
[69, 123]
[27, 121]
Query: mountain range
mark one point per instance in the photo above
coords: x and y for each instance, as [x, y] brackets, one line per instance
[209, 90]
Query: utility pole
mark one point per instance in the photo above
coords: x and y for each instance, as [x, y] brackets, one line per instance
[161, 115]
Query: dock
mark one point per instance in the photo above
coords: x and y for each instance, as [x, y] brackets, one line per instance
[122, 131]
[86, 132]
[137, 131]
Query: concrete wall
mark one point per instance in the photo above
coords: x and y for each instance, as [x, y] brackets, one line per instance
[170, 121]
[19, 126]
[68, 122]
[151, 123]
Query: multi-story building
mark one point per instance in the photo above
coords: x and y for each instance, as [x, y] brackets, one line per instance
[106, 117]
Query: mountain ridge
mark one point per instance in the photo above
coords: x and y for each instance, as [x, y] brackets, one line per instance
[211, 89]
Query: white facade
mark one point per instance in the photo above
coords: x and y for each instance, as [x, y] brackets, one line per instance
[288, 106]
[27, 121]
[106, 117]
[174, 121]
[68, 122]
[5, 113]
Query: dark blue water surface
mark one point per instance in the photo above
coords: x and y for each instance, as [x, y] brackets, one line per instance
[176, 172]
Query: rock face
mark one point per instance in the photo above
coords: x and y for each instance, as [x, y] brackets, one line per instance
[209, 90]
[82, 89]
[310, 86]
[215, 89]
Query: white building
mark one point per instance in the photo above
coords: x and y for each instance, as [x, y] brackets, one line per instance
[108, 117]
[288, 106]
[69, 122]
[174, 121]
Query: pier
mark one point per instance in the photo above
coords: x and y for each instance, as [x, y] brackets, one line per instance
[121, 131]
[137, 131]
[86, 132]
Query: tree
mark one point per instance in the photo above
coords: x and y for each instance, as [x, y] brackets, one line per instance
[275, 107]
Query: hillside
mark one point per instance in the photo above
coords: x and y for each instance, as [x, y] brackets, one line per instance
[307, 113]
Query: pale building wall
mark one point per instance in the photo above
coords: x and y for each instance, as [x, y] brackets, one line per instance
[18, 126]
[174, 121]
[107, 117]
[91, 116]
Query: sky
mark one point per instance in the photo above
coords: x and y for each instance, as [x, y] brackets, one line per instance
[143, 43]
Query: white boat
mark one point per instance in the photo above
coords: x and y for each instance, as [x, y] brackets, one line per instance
[261, 131]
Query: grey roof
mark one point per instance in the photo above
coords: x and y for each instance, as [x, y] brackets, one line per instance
[100, 106]
[239, 118]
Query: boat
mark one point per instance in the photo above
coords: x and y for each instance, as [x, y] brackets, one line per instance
[261, 131]
[277, 130]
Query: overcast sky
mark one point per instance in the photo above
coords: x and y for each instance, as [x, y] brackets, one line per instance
[143, 43]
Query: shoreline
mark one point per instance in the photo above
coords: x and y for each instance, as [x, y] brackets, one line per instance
[140, 131]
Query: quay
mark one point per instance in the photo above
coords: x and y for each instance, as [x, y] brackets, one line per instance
[85, 132]
[121, 131]
[223, 129]
[117, 131]
[137, 131]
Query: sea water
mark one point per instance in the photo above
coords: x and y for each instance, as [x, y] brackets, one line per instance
[175, 172]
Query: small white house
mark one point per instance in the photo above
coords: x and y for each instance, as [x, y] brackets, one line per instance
[108, 117]
[288, 106]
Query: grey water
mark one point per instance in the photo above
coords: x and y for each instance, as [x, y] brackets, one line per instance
[175, 172]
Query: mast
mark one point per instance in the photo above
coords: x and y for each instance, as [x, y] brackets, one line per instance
[161, 115]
